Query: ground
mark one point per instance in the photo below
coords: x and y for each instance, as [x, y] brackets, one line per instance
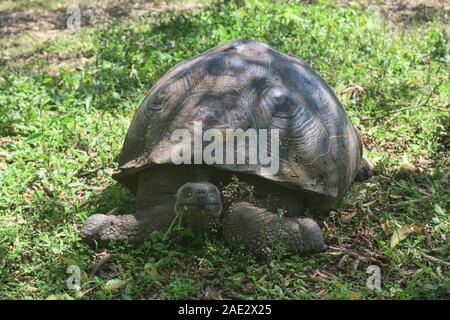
[68, 96]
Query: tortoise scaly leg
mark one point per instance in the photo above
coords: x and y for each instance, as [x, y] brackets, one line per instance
[100, 229]
[260, 230]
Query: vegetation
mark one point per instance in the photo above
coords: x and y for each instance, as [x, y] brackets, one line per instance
[66, 103]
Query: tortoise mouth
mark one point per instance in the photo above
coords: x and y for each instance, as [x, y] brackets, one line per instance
[199, 205]
[211, 205]
[213, 208]
[199, 216]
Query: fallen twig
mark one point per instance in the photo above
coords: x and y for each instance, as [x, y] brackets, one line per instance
[312, 278]
[434, 259]
[368, 256]
[89, 290]
[398, 204]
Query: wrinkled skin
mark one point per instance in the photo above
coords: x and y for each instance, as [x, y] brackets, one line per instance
[198, 205]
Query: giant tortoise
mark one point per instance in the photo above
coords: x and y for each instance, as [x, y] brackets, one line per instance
[240, 84]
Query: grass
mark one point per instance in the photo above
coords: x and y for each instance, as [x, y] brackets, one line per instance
[61, 133]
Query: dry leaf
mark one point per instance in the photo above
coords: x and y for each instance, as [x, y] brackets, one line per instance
[29, 195]
[416, 229]
[104, 257]
[18, 221]
[445, 176]
[399, 235]
[342, 261]
[349, 216]
[114, 284]
[322, 274]
[368, 204]
[4, 154]
[68, 261]
[405, 159]
[151, 271]
[385, 228]
[354, 296]
[4, 141]
[439, 273]
[423, 191]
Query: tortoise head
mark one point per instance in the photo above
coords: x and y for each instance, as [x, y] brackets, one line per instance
[198, 205]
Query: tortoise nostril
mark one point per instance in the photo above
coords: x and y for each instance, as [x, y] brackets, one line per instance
[201, 195]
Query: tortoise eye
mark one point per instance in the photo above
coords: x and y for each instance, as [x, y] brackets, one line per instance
[212, 192]
[188, 193]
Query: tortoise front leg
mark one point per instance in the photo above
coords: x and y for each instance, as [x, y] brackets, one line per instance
[100, 229]
[259, 229]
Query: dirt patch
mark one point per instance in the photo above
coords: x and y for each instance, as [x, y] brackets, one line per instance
[406, 11]
[13, 22]
[26, 33]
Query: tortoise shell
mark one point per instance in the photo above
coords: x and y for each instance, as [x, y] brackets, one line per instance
[247, 84]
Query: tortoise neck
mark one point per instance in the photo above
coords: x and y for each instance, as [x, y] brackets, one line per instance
[202, 174]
